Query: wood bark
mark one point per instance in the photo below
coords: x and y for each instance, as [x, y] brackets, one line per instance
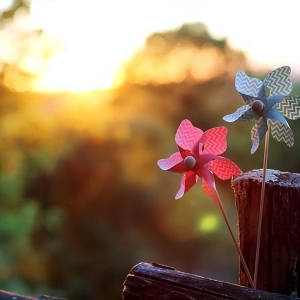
[4, 295]
[280, 235]
[154, 281]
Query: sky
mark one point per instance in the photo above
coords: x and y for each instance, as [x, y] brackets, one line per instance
[98, 35]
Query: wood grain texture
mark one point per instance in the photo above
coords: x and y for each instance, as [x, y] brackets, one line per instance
[154, 281]
[4, 295]
[280, 240]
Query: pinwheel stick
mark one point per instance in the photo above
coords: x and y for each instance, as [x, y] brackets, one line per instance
[235, 242]
[261, 206]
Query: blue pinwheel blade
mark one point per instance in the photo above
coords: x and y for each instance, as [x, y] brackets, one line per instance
[278, 81]
[282, 133]
[240, 114]
[289, 107]
[258, 131]
[274, 115]
[274, 100]
[247, 85]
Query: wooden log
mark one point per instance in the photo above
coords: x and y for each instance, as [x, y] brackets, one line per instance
[4, 295]
[280, 235]
[154, 281]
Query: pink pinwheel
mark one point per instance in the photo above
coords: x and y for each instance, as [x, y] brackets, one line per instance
[198, 157]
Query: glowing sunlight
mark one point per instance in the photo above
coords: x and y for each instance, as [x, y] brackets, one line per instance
[98, 36]
[91, 54]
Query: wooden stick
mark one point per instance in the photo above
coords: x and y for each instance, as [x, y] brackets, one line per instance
[261, 207]
[235, 242]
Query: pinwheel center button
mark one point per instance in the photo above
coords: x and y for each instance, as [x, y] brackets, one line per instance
[189, 162]
[257, 106]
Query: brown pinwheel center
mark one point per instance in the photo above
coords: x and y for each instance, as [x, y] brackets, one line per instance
[189, 162]
[257, 106]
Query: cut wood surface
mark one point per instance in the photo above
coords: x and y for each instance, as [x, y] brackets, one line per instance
[280, 241]
[155, 281]
[4, 295]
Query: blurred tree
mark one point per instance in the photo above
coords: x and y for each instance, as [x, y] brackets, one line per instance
[24, 50]
[117, 206]
[82, 198]
[11, 11]
[188, 54]
[22, 54]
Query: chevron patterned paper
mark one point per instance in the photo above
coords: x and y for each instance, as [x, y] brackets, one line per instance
[210, 191]
[255, 138]
[224, 168]
[279, 102]
[247, 85]
[290, 107]
[237, 114]
[189, 139]
[214, 140]
[188, 180]
[258, 132]
[171, 162]
[278, 81]
[282, 133]
[187, 135]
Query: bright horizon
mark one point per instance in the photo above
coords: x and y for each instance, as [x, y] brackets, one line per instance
[264, 30]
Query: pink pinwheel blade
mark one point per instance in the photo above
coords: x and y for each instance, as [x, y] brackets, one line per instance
[214, 140]
[187, 135]
[173, 163]
[187, 182]
[205, 159]
[224, 168]
[209, 187]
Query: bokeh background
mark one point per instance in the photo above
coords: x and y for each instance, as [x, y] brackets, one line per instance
[81, 197]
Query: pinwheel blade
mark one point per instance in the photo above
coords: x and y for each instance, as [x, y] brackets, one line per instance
[172, 163]
[246, 85]
[278, 81]
[244, 113]
[289, 107]
[187, 182]
[205, 158]
[258, 131]
[187, 135]
[273, 100]
[224, 168]
[209, 187]
[282, 133]
[214, 140]
[274, 115]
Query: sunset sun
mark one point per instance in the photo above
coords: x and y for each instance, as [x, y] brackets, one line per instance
[98, 36]
[92, 48]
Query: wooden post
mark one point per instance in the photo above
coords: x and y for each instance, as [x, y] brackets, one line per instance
[280, 239]
[4, 295]
[158, 282]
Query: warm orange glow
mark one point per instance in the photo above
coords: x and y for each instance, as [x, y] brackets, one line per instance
[183, 63]
[65, 71]
[98, 36]
[92, 50]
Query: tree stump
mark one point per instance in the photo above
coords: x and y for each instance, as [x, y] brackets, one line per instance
[280, 234]
[158, 282]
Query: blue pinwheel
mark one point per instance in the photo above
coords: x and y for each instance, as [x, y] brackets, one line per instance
[267, 111]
